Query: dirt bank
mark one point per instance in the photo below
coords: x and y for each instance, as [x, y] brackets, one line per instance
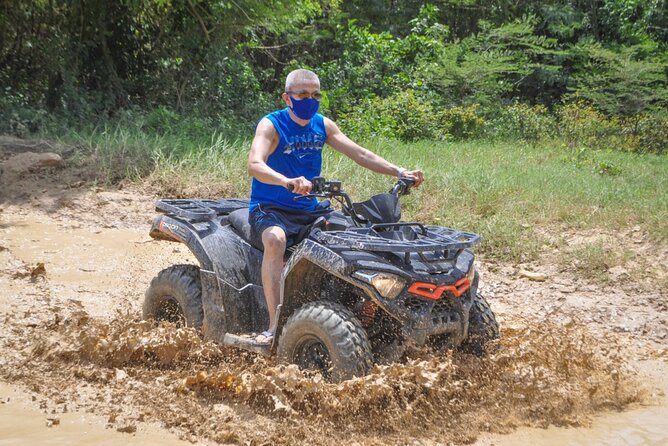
[75, 260]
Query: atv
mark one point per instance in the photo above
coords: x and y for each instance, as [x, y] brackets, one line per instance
[359, 288]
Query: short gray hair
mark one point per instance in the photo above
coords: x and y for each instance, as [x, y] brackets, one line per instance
[299, 75]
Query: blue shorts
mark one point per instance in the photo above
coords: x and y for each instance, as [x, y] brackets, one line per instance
[295, 222]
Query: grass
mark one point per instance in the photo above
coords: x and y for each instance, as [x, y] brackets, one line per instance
[505, 191]
[593, 261]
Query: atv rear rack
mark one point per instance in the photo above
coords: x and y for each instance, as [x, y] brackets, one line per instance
[200, 210]
[428, 239]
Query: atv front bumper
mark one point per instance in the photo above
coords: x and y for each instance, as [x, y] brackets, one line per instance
[421, 317]
[446, 316]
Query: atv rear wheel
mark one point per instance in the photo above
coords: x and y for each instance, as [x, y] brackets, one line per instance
[483, 327]
[175, 295]
[327, 337]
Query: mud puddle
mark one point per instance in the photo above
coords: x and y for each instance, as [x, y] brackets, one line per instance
[647, 425]
[134, 371]
[23, 424]
[71, 336]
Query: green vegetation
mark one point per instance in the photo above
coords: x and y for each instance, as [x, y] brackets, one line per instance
[522, 113]
[507, 191]
[409, 70]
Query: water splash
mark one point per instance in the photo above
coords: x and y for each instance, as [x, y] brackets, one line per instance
[542, 373]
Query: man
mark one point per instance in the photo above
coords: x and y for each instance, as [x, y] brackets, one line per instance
[286, 153]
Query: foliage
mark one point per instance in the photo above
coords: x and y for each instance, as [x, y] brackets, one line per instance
[634, 21]
[462, 122]
[375, 64]
[408, 117]
[401, 116]
[652, 133]
[619, 83]
[408, 70]
[523, 122]
[580, 124]
[491, 65]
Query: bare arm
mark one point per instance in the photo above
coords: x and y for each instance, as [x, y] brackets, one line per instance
[264, 143]
[364, 157]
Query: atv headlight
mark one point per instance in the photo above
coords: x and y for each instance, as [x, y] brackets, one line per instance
[388, 285]
[471, 274]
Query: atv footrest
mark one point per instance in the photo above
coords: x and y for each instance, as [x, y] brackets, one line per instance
[246, 342]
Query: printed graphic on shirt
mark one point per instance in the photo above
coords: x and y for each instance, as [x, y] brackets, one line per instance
[302, 144]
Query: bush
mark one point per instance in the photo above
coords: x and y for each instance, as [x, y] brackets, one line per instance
[653, 133]
[402, 116]
[19, 118]
[580, 124]
[161, 121]
[407, 117]
[461, 122]
[523, 121]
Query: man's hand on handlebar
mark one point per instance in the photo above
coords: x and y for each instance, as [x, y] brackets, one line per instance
[299, 185]
[416, 175]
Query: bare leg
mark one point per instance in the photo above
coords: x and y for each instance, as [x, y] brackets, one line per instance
[274, 242]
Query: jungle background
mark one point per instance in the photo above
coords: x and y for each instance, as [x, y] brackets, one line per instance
[591, 72]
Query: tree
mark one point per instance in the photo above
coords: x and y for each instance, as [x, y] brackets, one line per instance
[619, 82]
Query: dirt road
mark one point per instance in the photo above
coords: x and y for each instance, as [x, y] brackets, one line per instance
[75, 260]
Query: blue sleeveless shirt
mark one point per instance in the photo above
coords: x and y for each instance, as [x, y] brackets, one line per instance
[298, 153]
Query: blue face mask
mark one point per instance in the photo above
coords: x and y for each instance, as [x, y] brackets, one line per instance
[304, 108]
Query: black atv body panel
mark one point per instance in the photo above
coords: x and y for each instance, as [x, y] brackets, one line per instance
[324, 266]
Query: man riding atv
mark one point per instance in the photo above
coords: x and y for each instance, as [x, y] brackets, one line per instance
[358, 287]
[285, 155]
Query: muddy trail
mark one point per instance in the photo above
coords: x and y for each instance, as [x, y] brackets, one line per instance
[75, 260]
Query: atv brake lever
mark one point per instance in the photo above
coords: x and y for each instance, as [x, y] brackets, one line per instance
[291, 188]
[300, 197]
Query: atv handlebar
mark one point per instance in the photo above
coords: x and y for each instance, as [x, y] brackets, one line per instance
[403, 186]
[327, 189]
[322, 188]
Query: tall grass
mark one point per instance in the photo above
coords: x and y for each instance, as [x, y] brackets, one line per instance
[505, 191]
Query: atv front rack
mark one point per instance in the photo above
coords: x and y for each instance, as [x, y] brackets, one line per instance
[377, 238]
[200, 210]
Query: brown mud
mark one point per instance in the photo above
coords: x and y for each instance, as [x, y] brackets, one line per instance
[75, 260]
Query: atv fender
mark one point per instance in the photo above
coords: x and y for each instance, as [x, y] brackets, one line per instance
[304, 275]
[231, 300]
[170, 229]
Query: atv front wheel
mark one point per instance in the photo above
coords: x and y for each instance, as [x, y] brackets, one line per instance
[327, 337]
[483, 327]
[175, 295]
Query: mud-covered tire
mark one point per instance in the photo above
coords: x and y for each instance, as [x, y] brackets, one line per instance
[483, 328]
[326, 336]
[175, 295]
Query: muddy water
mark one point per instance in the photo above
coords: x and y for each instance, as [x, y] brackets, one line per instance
[646, 426]
[63, 338]
[96, 267]
[22, 424]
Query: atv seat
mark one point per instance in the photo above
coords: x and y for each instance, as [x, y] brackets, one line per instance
[239, 220]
